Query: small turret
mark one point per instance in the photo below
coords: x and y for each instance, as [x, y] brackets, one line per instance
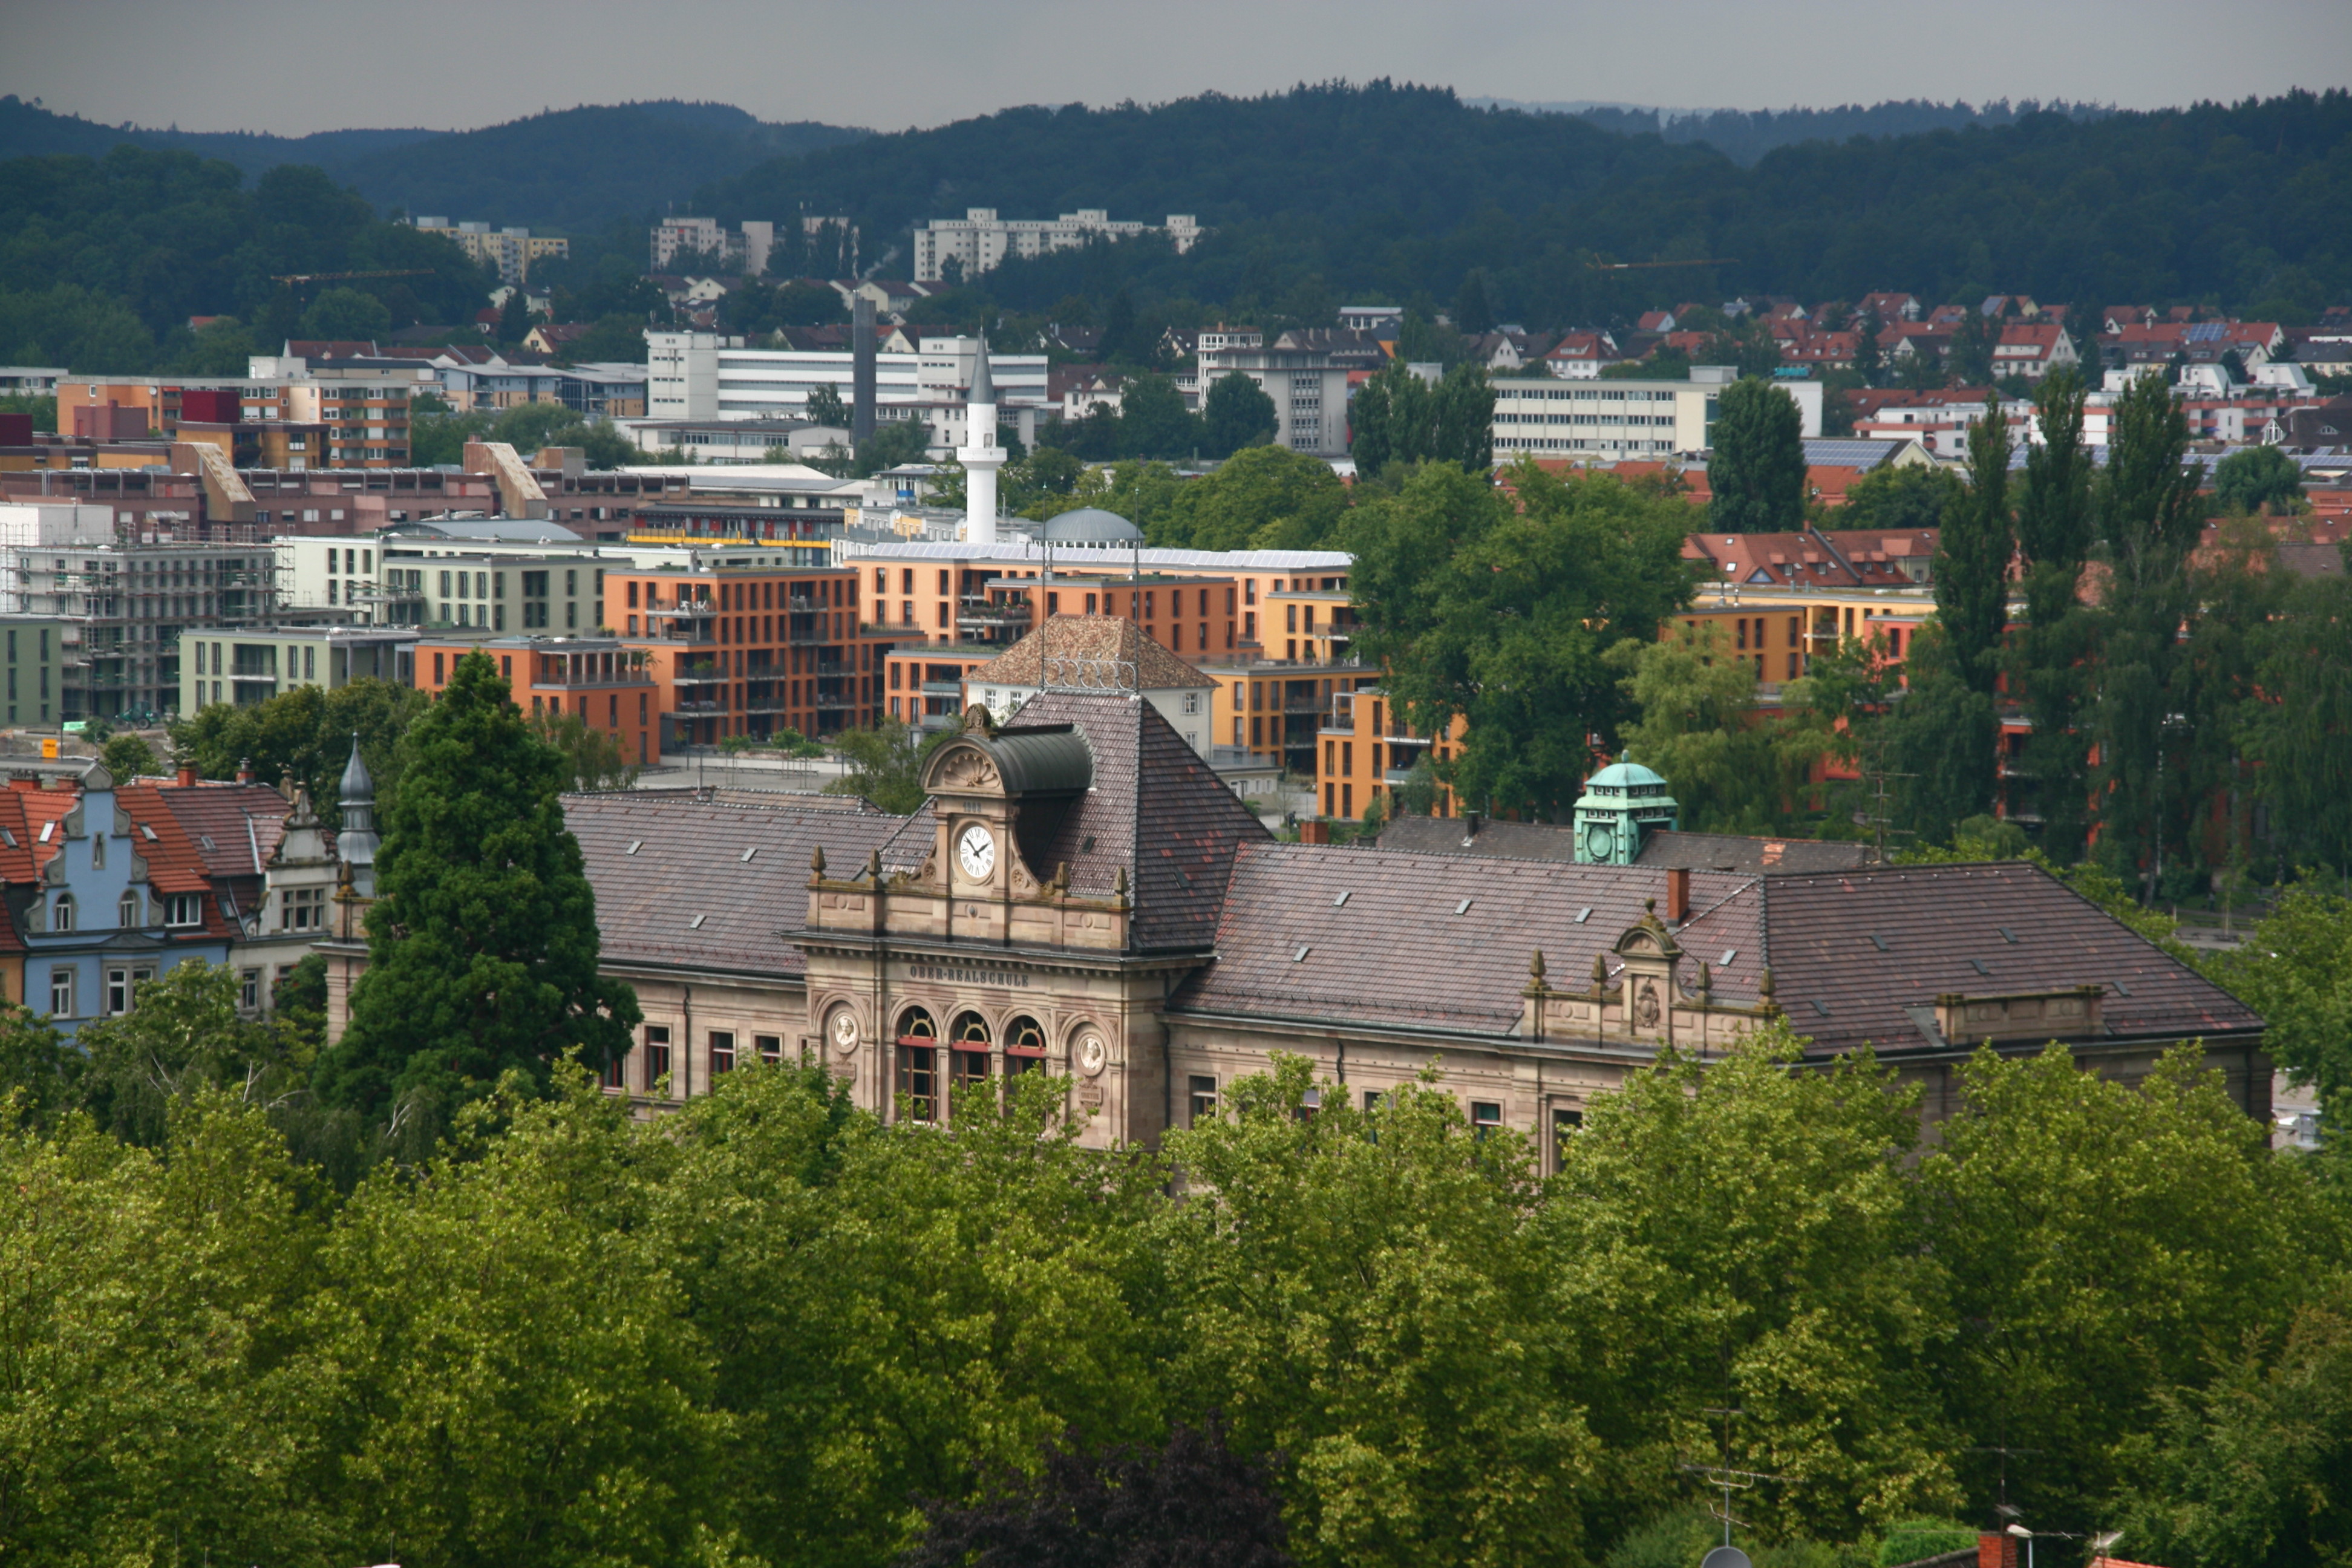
[356, 844]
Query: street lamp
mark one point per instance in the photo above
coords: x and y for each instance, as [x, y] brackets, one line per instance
[2027, 1536]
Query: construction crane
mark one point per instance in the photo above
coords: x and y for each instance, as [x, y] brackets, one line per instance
[1644, 266]
[335, 277]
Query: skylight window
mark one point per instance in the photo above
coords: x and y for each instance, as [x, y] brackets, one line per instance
[1340, 902]
[1584, 914]
[635, 844]
[1728, 954]
[749, 853]
[1463, 908]
[695, 923]
[1979, 965]
[1300, 956]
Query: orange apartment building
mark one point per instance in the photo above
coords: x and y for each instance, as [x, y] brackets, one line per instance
[358, 423]
[749, 646]
[600, 681]
[1272, 628]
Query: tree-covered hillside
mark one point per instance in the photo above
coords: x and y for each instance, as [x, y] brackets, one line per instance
[1387, 189]
[102, 261]
[574, 168]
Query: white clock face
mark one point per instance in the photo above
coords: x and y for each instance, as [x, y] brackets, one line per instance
[976, 852]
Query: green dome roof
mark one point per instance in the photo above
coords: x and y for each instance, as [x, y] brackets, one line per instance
[1628, 778]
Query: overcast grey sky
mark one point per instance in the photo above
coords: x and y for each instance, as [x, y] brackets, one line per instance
[298, 65]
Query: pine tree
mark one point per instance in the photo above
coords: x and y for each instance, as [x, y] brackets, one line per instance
[2046, 668]
[1757, 468]
[2149, 518]
[482, 947]
[1947, 732]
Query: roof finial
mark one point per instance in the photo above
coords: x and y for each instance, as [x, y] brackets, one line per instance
[1536, 967]
[816, 861]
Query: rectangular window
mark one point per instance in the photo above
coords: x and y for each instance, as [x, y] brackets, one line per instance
[918, 1074]
[437, 672]
[1204, 1098]
[184, 908]
[722, 1050]
[118, 991]
[303, 909]
[248, 990]
[1485, 1119]
[769, 1047]
[657, 1057]
[1564, 1126]
[61, 993]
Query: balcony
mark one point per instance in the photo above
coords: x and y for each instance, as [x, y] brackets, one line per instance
[702, 675]
[994, 615]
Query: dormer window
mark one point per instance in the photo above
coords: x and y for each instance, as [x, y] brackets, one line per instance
[61, 913]
[126, 912]
[183, 910]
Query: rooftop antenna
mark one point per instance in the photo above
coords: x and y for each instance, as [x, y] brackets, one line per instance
[1727, 1479]
[1877, 812]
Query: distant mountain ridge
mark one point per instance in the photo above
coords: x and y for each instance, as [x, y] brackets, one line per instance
[571, 169]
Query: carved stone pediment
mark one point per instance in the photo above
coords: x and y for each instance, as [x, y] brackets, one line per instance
[961, 769]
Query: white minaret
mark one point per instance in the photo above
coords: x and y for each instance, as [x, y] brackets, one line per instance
[980, 456]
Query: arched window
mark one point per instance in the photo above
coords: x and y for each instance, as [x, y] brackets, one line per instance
[62, 913]
[918, 1064]
[1025, 1051]
[126, 912]
[968, 1062]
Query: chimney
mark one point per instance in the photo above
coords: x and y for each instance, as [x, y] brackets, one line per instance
[1469, 825]
[1314, 830]
[1678, 894]
[1996, 1550]
[187, 775]
[245, 771]
[861, 373]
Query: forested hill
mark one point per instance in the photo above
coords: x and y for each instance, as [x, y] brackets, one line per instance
[1400, 190]
[1745, 135]
[569, 169]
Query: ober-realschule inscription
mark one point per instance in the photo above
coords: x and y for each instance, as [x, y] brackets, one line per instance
[968, 976]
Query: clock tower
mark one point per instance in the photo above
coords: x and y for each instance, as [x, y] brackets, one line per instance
[1622, 805]
[1010, 926]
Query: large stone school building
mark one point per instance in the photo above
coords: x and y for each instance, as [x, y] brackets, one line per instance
[1082, 898]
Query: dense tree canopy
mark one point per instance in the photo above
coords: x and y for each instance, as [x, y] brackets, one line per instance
[1498, 608]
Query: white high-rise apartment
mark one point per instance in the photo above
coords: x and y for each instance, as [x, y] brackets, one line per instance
[980, 240]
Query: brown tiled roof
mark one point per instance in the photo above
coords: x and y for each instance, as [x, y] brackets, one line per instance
[1107, 639]
[687, 897]
[1441, 941]
[1557, 842]
[1871, 946]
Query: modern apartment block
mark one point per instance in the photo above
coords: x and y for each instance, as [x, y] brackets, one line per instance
[510, 250]
[330, 419]
[245, 666]
[126, 605]
[682, 242]
[980, 241]
[600, 681]
[32, 650]
[1547, 417]
[707, 376]
[748, 642]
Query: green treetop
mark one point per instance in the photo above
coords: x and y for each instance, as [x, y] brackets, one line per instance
[483, 944]
[1757, 468]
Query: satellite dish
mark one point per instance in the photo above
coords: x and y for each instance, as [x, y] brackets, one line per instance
[1725, 1557]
